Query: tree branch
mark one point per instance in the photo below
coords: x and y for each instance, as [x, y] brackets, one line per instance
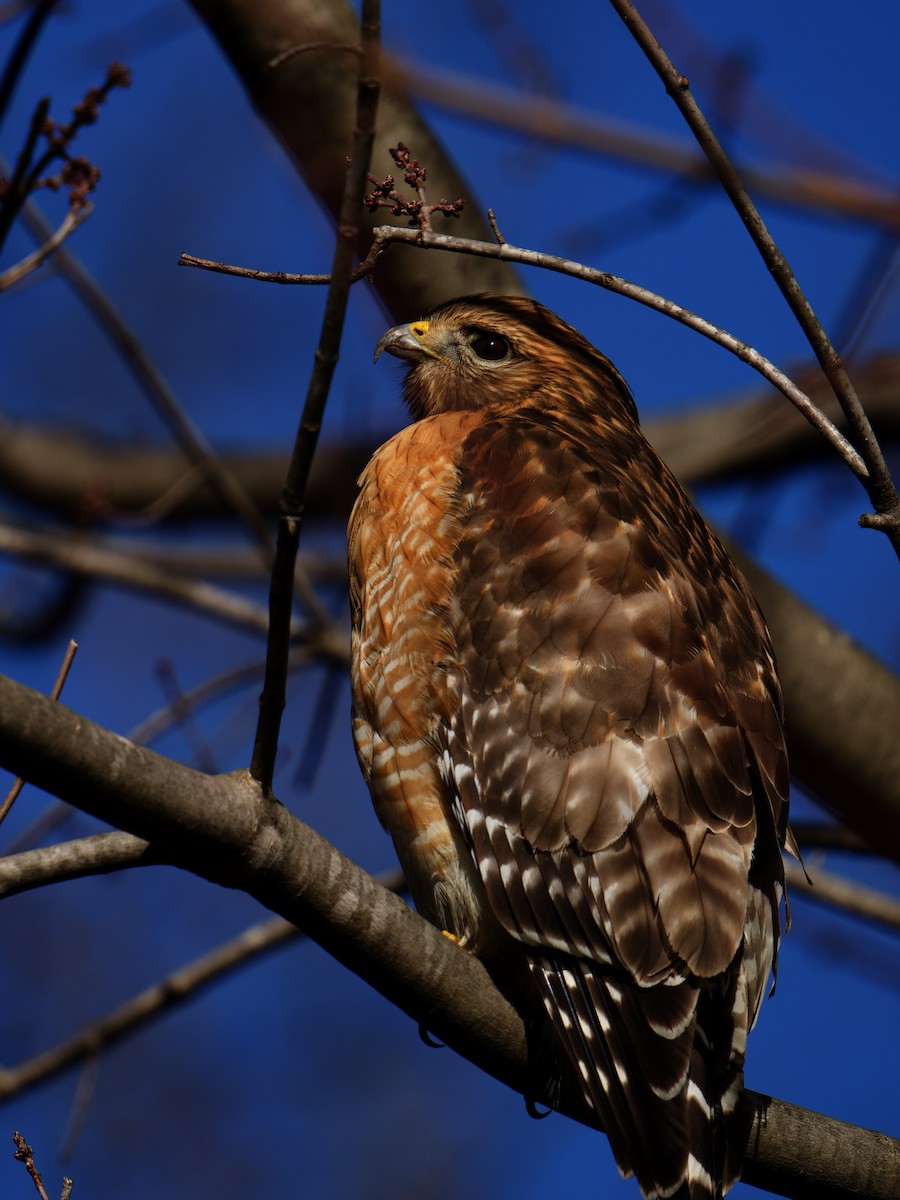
[95, 855]
[225, 830]
[387, 234]
[852, 898]
[880, 484]
[84, 558]
[61, 471]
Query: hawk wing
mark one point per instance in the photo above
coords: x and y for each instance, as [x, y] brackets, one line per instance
[615, 744]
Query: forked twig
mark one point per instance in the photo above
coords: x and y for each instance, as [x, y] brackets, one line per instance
[25, 1154]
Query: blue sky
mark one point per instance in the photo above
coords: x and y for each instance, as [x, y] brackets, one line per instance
[262, 1084]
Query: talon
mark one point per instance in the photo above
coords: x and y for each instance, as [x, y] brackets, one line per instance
[428, 1039]
[537, 1114]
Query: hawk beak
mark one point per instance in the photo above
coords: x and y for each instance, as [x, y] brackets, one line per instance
[406, 341]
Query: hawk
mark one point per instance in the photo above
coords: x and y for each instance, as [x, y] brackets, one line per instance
[566, 709]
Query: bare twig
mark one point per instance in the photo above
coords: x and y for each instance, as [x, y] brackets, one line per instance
[25, 1154]
[15, 189]
[63, 551]
[285, 277]
[879, 484]
[171, 992]
[77, 174]
[265, 747]
[841, 893]
[55, 693]
[209, 465]
[31, 262]
[155, 388]
[386, 234]
[163, 996]
[24, 44]
[83, 1097]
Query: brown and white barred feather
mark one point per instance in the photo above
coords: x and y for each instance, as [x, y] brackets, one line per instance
[566, 708]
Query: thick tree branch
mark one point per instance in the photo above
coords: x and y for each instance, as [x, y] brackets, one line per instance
[225, 830]
[830, 684]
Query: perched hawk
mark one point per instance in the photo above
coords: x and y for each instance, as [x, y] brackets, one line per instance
[566, 708]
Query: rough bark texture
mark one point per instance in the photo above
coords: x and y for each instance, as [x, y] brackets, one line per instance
[223, 829]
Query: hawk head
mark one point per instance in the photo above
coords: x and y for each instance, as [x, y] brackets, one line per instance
[499, 353]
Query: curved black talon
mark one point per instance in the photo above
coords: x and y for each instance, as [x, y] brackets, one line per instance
[428, 1039]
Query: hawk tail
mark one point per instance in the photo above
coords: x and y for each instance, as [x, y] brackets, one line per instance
[662, 1079]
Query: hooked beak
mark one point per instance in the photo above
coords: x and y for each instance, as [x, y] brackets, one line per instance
[407, 341]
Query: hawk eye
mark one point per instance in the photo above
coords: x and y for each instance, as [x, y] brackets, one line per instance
[490, 346]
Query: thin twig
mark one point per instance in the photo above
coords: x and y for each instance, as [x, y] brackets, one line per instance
[55, 693]
[265, 747]
[155, 388]
[15, 192]
[31, 262]
[25, 1154]
[85, 1090]
[63, 551]
[182, 985]
[495, 228]
[840, 893]
[24, 44]
[195, 446]
[880, 486]
[386, 234]
[284, 277]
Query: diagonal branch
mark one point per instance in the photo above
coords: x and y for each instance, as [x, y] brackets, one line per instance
[881, 487]
[225, 829]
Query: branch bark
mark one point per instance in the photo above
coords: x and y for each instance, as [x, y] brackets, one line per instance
[223, 829]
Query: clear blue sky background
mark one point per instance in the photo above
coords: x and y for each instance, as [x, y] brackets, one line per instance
[294, 1079]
